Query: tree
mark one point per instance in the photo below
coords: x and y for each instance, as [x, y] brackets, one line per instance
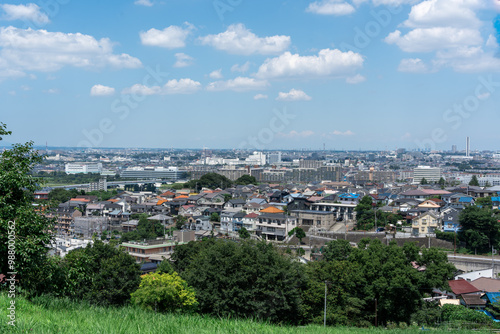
[442, 181]
[424, 181]
[215, 217]
[180, 221]
[243, 279]
[484, 202]
[101, 274]
[25, 234]
[209, 180]
[479, 229]
[246, 180]
[243, 233]
[299, 233]
[374, 271]
[165, 293]
[474, 181]
[364, 213]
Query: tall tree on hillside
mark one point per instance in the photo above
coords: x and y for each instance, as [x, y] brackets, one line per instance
[25, 234]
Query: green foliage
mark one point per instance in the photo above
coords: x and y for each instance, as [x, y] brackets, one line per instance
[299, 233]
[215, 217]
[246, 180]
[242, 279]
[479, 229]
[243, 233]
[429, 314]
[484, 202]
[442, 181]
[165, 293]
[29, 231]
[61, 195]
[474, 181]
[165, 267]
[146, 229]
[461, 314]
[337, 250]
[424, 181]
[382, 272]
[100, 274]
[210, 180]
[103, 195]
[448, 236]
[180, 221]
[365, 214]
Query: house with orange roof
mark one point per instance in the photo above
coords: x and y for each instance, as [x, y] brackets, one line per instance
[271, 209]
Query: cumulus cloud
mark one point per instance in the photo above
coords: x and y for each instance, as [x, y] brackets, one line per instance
[328, 63]
[260, 97]
[238, 84]
[293, 95]
[51, 91]
[439, 13]
[217, 74]
[183, 60]
[240, 68]
[330, 7]
[181, 86]
[146, 3]
[101, 90]
[453, 31]
[432, 39]
[171, 37]
[30, 12]
[413, 65]
[39, 50]
[237, 39]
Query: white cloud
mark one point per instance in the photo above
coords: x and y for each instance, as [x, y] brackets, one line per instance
[453, 31]
[413, 65]
[39, 50]
[30, 12]
[238, 84]
[392, 3]
[171, 37]
[243, 68]
[51, 91]
[432, 39]
[443, 13]
[146, 3]
[358, 78]
[330, 7]
[217, 74]
[181, 86]
[183, 60]
[295, 134]
[293, 95]
[483, 96]
[237, 39]
[328, 63]
[260, 97]
[100, 90]
[340, 133]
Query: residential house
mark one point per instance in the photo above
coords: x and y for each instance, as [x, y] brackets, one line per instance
[426, 223]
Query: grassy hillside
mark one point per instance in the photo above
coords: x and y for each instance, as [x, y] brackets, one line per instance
[62, 316]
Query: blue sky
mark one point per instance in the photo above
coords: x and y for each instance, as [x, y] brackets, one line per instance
[346, 74]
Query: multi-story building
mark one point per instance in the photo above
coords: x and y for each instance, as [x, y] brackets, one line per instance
[426, 223]
[171, 173]
[274, 226]
[151, 250]
[431, 174]
[82, 168]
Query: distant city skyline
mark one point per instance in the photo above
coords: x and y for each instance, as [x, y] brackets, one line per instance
[327, 74]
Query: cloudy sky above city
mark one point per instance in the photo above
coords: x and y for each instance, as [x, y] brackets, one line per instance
[339, 74]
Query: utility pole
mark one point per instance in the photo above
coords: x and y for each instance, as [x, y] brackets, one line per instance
[376, 320]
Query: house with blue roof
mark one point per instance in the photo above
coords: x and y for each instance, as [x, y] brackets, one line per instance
[349, 198]
[466, 200]
[450, 220]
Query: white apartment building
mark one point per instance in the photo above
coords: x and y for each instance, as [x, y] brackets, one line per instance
[85, 168]
[431, 174]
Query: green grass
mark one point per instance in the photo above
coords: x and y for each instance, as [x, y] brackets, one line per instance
[63, 316]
